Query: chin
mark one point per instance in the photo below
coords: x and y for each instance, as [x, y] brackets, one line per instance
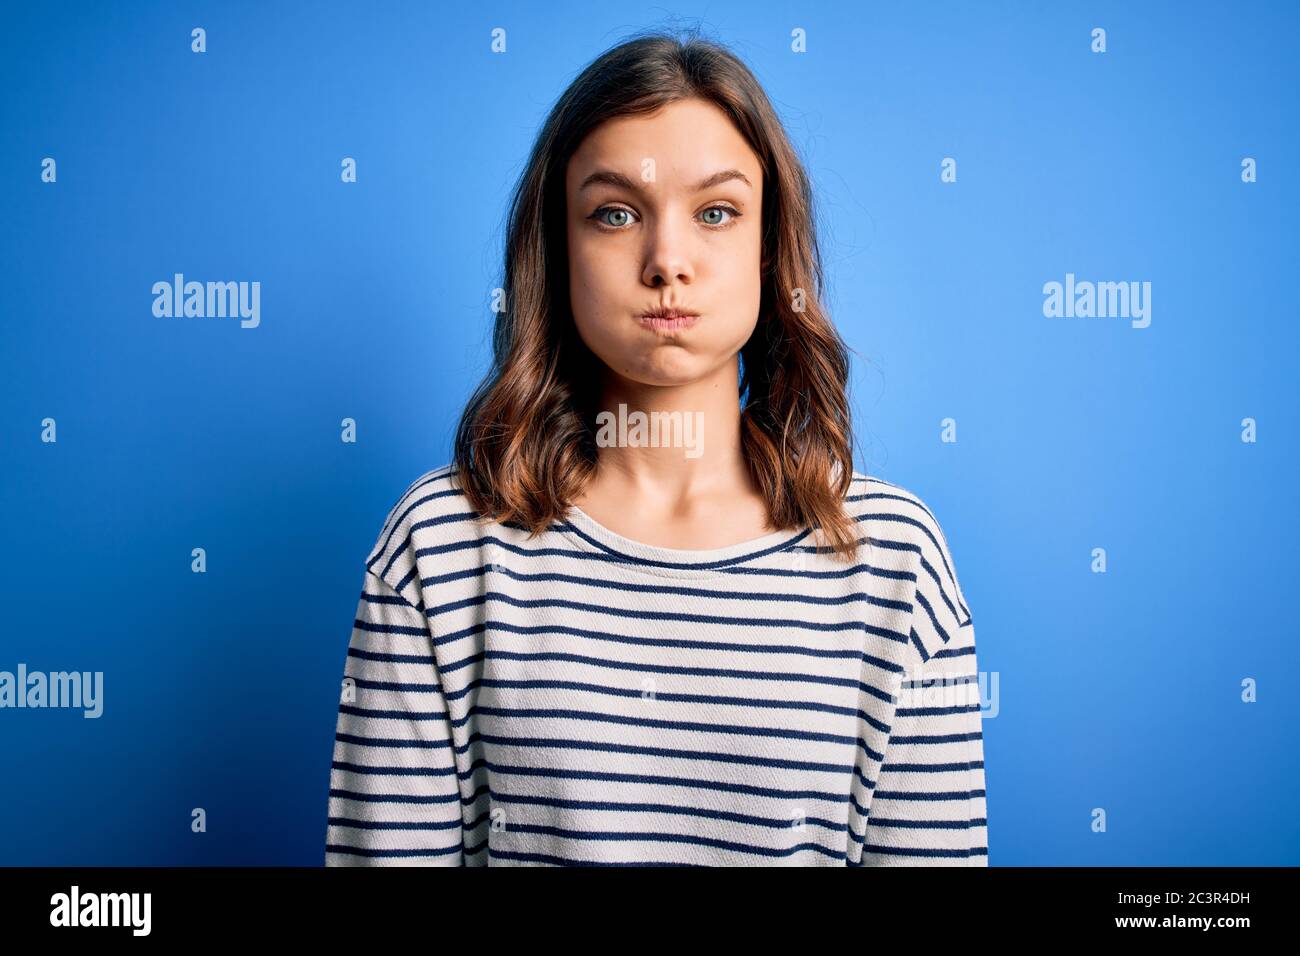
[663, 371]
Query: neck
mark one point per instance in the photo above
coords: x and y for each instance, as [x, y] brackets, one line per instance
[698, 451]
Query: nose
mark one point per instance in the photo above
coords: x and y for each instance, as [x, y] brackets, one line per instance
[667, 258]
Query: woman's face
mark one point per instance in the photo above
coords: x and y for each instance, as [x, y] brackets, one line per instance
[658, 217]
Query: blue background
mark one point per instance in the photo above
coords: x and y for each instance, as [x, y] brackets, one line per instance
[1118, 690]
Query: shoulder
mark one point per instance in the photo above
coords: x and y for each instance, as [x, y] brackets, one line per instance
[898, 513]
[894, 516]
[431, 512]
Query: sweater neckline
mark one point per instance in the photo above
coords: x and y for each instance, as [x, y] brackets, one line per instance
[591, 535]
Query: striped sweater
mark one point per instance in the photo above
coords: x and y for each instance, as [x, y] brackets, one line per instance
[582, 698]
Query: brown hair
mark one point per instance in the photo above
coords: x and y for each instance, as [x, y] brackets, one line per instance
[525, 445]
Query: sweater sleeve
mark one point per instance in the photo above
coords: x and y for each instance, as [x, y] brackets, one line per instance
[394, 795]
[928, 805]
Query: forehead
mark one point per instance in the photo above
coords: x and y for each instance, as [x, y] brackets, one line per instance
[687, 139]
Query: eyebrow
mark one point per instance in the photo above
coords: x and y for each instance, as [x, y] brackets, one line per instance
[612, 178]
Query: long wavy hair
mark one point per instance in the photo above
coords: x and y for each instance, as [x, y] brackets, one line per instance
[525, 444]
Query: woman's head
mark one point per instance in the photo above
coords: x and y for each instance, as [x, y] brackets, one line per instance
[614, 216]
[664, 211]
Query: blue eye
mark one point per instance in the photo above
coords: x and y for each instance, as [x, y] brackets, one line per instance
[720, 209]
[600, 214]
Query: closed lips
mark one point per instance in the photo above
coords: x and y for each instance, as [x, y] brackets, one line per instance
[675, 312]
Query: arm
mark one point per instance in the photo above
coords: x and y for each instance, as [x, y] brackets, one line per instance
[394, 793]
[928, 805]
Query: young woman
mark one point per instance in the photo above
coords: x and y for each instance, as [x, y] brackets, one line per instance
[651, 614]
